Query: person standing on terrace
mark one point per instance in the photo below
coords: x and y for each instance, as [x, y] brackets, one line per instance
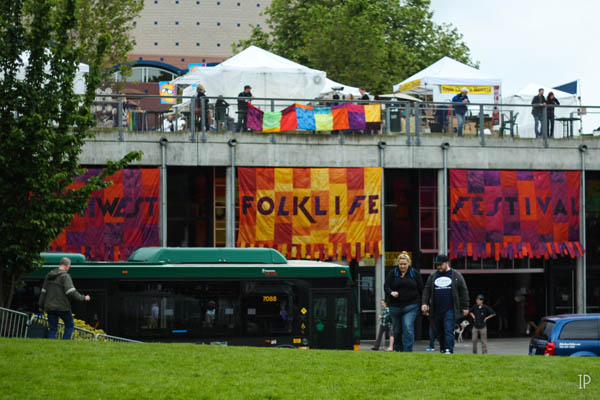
[242, 119]
[551, 101]
[538, 111]
[460, 109]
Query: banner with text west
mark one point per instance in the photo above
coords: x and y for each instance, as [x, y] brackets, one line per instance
[311, 212]
[512, 214]
[119, 219]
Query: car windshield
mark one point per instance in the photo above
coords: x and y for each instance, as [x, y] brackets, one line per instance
[543, 330]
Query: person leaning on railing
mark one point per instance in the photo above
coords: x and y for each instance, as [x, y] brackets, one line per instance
[551, 101]
[58, 288]
[201, 98]
[242, 120]
[460, 110]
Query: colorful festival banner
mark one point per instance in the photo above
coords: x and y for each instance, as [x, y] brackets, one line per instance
[298, 117]
[119, 219]
[514, 214]
[311, 212]
[195, 67]
[169, 91]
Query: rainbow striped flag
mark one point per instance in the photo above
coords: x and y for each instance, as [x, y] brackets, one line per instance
[298, 117]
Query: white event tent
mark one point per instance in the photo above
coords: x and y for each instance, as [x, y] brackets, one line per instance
[446, 77]
[268, 74]
[525, 121]
[79, 84]
[329, 86]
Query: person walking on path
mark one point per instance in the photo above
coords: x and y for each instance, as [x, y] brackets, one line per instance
[56, 291]
[480, 314]
[460, 110]
[446, 296]
[432, 335]
[385, 324]
[404, 286]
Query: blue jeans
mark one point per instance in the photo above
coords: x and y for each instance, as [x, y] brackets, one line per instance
[444, 323]
[67, 318]
[460, 120]
[538, 125]
[432, 334]
[403, 321]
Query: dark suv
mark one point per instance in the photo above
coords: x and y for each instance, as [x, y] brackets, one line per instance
[567, 335]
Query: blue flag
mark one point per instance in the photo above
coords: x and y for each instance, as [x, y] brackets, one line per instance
[570, 87]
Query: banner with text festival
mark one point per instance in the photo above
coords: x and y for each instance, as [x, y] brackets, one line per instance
[119, 219]
[514, 214]
[311, 212]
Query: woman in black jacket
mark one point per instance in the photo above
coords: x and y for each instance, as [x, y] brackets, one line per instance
[551, 101]
[404, 287]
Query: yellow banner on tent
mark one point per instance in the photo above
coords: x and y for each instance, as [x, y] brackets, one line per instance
[410, 85]
[472, 89]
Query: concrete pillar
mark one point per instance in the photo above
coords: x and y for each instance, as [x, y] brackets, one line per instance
[579, 286]
[442, 219]
[229, 209]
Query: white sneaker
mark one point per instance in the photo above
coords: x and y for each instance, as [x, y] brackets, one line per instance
[447, 351]
[527, 332]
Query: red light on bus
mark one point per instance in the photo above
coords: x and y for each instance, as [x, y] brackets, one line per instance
[342, 271]
[124, 272]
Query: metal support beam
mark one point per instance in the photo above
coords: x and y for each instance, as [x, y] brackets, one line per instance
[120, 118]
[193, 119]
[163, 191]
[407, 124]
[443, 202]
[380, 263]
[418, 124]
[545, 125]
[581, 273]
[481, 125]
[203, 113]
[230, 198]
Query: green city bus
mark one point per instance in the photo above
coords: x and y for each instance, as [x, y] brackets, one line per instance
[229, 296]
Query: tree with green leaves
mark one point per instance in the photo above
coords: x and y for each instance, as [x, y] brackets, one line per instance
[43, 127]
[370, 43]
[115, 17]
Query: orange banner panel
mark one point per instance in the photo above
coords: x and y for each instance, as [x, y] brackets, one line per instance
[311, 212]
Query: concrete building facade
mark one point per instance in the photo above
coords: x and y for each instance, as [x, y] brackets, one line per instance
[182, 32]
[200, 211]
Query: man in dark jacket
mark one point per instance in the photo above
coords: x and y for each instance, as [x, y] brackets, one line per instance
[538, 111]
[446, 296]
[200, 100]
[242, 120]
[56, 291]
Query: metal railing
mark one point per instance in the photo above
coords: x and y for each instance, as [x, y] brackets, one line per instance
[13, 323]
[16, 324]
[413, 119]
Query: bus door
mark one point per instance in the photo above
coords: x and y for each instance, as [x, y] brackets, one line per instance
[331, 319]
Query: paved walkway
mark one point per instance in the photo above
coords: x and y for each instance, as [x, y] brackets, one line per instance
[495, 346]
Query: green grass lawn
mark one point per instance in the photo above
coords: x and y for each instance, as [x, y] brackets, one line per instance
[48, 369]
